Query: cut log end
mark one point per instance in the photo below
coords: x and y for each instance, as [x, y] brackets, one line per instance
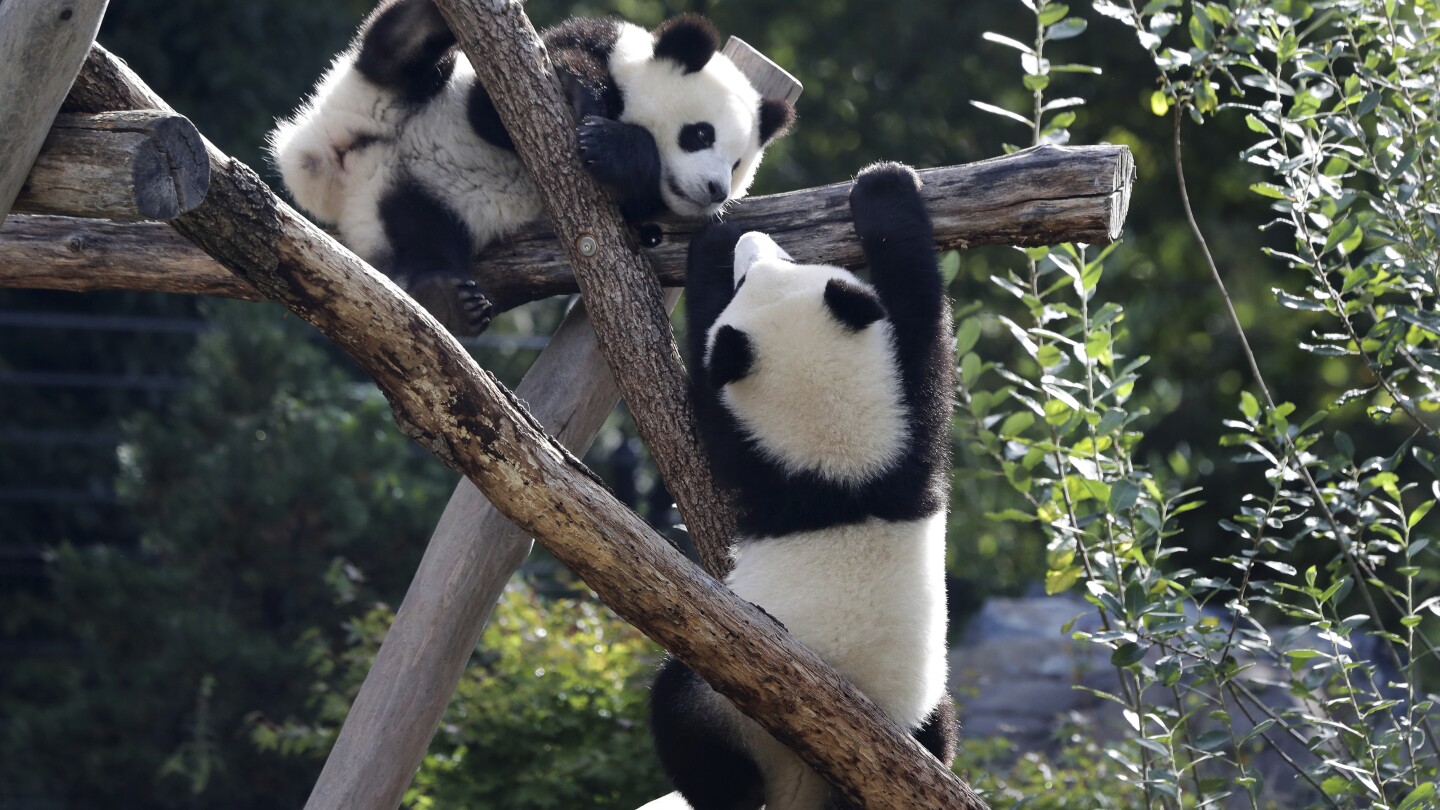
[127, 166]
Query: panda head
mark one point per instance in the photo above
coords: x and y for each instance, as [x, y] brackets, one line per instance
[803, 359]
[709, 124]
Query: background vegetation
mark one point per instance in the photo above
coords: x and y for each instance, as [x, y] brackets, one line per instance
[225, 509]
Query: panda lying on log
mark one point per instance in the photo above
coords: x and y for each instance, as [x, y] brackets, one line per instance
[401, 149]
[825, 405]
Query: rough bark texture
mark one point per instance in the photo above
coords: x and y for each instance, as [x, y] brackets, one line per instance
[130, 165]
[42, 43]
[474, 425]
[471, 556]
[1041, 196]
[617, 282]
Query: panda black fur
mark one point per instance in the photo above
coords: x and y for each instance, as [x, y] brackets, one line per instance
[825, 405]
[401, 149]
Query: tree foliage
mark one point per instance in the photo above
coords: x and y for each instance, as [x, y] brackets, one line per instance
[256, 486]
[550, 712]
[1332, 538]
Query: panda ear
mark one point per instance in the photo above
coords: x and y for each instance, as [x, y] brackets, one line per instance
[776, 116]
[853, 305]
[731, 357]
[688, 40]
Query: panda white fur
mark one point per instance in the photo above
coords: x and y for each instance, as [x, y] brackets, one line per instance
[401, 149]
[825, 405]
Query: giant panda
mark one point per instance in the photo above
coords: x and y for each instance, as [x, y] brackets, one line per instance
[401, 149]
[824, 403]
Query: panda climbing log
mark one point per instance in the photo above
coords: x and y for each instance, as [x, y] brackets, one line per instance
[401, 149]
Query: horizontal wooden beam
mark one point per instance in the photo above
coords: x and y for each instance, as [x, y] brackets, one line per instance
[1041, 196]
[129, 165]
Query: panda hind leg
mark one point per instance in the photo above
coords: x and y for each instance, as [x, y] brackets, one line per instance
[430, 253]
[406, 46]
[702, 756]
[939, 733]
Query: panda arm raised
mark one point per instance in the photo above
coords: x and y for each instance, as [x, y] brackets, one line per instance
[899, 243]
[709, 284]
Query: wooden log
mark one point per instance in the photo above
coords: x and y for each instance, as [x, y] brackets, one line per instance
[471, 556]
[129, 165]
[473, 424]
[42, 45]
[86, 255]
[1041, 196]
[768, 78]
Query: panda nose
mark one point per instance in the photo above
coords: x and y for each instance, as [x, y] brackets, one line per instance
[718, 191]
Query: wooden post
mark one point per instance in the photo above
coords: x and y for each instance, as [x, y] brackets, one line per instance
[129, 165]
[42, 45]
[470, 557]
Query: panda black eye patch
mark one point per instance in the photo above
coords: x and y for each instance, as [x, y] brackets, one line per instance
[697, 137]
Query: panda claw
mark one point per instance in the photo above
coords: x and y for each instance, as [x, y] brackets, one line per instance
[456, 302]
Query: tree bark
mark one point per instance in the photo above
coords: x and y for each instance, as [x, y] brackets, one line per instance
[472, 424]
[42, 44]
[1040, 196]
[130, 165]
[619, 285]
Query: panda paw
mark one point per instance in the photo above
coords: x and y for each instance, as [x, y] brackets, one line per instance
[455, 301]
[885, 202]
[625, 158]
[601, 147]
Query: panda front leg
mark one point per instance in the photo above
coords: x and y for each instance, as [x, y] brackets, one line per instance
[626, 160]
[430, 255]
[899, 243]
[699, 745]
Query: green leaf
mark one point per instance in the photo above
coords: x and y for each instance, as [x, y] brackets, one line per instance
[1056, 412]
[1017, 423]
[1123, 495]
[1263, 189]
[1200, 32]
[967, 336]
[1127, 654]
[1168, 670]
[1053, 13]
[1419, 514]
[1213, 739]
[1002, 112]
[1036, 82]
[991, 36]
[1073, 27]
[949, 266]
[1048, 356]
[1249, 406]
[1159, 104]
[1417, 798]
[1336, 785]
[969, 369]
[1061, 581]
